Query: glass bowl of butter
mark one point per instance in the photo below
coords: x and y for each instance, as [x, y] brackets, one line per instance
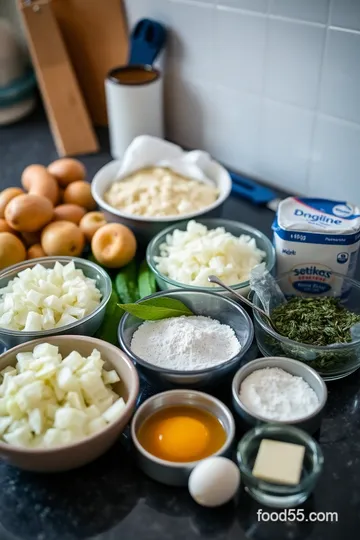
[279, 465]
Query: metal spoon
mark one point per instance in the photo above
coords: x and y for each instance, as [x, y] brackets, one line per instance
[214, 279]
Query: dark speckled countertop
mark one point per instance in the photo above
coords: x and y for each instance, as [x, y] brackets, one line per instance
[110, 499]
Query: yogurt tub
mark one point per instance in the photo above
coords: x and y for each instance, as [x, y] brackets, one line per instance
[314, 238]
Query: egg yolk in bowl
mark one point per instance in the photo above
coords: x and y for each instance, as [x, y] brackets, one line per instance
[182, 434]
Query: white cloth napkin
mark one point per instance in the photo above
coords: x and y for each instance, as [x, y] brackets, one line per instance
[146, 151]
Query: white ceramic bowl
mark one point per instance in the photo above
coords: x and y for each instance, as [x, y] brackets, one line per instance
[71, 456]
[146, 227]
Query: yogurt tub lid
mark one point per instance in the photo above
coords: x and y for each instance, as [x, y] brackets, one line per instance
[322, 216]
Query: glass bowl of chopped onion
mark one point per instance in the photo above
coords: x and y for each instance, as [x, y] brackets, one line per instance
[320, 328]
[186, 254]
[51, 296]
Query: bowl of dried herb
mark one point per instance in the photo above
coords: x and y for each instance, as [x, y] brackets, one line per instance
[322, 329]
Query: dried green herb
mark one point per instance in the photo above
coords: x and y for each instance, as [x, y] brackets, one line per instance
[316, 321]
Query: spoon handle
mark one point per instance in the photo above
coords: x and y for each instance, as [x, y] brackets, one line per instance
[214, 279]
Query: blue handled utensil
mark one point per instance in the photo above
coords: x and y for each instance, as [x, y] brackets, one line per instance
[253, 192]
[146, 41]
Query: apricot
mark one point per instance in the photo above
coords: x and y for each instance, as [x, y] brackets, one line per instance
[28, 213]
[12, 250]
[67, 170]
[62, 238]
[5, 227]
[69, 212]
[113, 245]
[37, 180]
[6, 196]
[79, 193]
[91, 222]
[35, 251]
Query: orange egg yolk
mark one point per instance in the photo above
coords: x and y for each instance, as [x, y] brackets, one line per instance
[181, 434]
[180, 439]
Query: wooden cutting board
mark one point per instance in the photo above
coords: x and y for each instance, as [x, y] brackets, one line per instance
[96, 36]
[68, 117]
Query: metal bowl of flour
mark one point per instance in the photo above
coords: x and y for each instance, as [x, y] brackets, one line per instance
[208, 304]
[309, 423]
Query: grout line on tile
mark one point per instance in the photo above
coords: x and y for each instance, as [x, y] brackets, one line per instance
[346, 30]
[263, 80]
[338, 120]
[196, 3]
[296, 21]
[331, 7]
[231, 9]
[317, 105]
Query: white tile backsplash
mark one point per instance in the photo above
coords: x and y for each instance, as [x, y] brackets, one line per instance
[269, 87]
[188, 107]
[340, 88]
[191, 39]
[307, 10]
[233, 131]
[239, 49]
[335, 167]
[284, 145]
[293, 62]
[346, 13]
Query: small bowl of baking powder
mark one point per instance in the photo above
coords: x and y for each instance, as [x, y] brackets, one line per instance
[279, 390]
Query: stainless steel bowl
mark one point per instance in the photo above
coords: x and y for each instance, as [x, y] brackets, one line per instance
[86, 326]
[201, 303]
[309, 423]
[146, 227]
[168, 472]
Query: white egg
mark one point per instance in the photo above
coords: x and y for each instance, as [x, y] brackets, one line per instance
[214, 481]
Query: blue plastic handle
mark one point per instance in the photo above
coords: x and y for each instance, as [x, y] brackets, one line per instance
[146, 41]
[250, 190]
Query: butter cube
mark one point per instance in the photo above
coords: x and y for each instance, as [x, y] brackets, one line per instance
[279, 462]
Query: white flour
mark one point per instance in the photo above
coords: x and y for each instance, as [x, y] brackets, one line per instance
[185, 343]
[275, 394]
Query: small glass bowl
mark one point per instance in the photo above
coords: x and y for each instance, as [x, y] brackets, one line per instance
[269, 493]
[331, 361]
[233, 227]
[86, 326]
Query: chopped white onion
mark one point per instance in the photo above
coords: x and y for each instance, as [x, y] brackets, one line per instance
[48, 401]
[191, 256]
[42, 298]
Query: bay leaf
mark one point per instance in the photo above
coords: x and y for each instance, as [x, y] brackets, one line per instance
[155, 309]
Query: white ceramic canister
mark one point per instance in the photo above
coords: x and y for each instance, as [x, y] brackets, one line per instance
[134, 99]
